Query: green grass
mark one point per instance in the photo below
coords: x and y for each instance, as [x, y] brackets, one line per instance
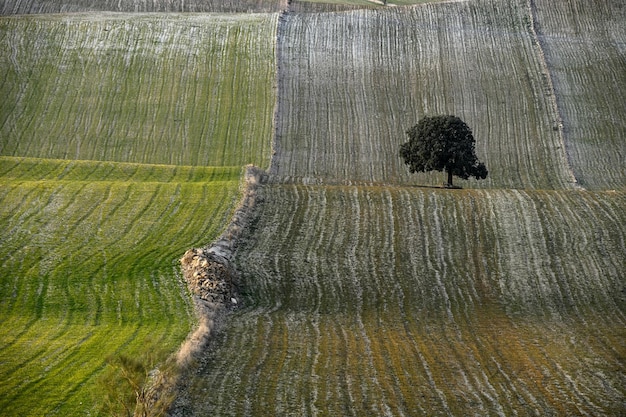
[122, 140]
[89, 269]
[33, 169]
[155, 89]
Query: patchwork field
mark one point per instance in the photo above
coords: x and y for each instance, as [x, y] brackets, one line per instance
[366, 290]
[392, 297]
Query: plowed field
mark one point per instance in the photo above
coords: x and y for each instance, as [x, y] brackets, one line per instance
[365, 290]
[410, 301]
[351, 83]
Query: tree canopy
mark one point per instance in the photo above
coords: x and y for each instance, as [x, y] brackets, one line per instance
[442, 143]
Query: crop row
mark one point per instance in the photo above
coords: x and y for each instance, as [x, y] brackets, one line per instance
[10, 7]
[410, 301]
[157, 89]
[88, 270]
[351, 83]
[586, 55]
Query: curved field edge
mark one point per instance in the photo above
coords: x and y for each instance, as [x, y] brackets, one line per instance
[35, 169]
[173, 89]
[409, 301]
[89, 269]
[351, 83]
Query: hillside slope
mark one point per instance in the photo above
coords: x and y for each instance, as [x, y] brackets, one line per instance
[108, 123]
[12, 7]
[585, 51]
[393, 297]
[88, 271]
[405, 301]
[147, 88]
[367, 290]
[351, 84]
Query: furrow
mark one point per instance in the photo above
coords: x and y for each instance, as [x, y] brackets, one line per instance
[444, 302]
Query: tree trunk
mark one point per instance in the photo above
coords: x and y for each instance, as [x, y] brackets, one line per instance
[449, 185]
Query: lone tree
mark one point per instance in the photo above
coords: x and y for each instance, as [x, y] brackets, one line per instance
[442, 143]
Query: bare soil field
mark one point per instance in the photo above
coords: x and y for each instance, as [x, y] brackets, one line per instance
[585, 51]
[409, 301]
[351, 83]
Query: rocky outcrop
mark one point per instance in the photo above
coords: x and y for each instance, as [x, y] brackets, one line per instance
[209, 271]
[209, 276]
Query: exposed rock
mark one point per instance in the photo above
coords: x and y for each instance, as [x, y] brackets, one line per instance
[209, 276]
[208, 271]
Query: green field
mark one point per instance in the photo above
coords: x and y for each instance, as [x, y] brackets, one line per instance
[122, 145]
[155, 89]
[89, 269]
[365, 290]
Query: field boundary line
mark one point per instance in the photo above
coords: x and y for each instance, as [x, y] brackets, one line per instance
[277, 85]
[221, 251]
[532, 28]
[210, 309]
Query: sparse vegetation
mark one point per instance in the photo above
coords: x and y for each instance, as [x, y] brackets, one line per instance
[585, 54]
[139, 386]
